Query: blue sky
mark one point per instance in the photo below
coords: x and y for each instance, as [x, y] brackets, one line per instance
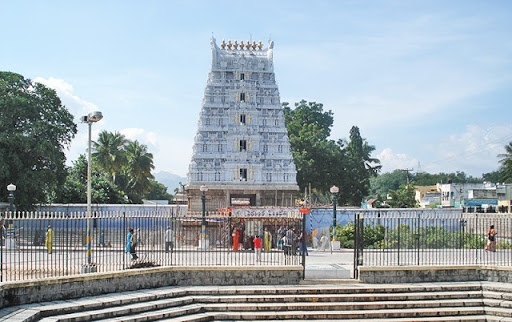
[427, 82]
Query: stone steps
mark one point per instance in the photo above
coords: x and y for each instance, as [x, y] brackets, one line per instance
[472, 301]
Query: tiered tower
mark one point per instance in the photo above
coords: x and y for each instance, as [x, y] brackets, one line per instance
[241, 150]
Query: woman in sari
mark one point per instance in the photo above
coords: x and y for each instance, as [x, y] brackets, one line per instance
[267, 240]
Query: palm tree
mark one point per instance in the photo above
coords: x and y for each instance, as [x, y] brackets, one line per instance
[506, 163]
[109, 153]
[139, 164]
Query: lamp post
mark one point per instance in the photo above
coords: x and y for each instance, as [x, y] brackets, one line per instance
[203, 190]
[11, 188]
[334, 190]
[92, 117]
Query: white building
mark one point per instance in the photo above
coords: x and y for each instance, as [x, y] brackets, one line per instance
[241, 151]
[469, 195]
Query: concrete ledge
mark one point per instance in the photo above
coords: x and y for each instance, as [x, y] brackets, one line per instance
[60, 288]
[421, 274]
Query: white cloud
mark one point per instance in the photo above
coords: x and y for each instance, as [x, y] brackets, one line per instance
[78, 107]
[473, 151]
[391, 161]
[168, 152]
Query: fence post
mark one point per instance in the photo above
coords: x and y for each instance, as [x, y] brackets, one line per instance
[399, 241]
[302, 244]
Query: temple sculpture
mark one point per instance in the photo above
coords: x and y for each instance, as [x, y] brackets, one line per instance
[241, 151]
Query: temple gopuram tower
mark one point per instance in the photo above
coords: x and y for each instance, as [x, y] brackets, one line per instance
[241, 150]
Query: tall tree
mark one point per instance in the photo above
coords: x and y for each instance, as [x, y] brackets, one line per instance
[75, 187]
[506, 164]
[35, 128]
[404, 197]
[360, 167]
[139, 164]
[108, 152]
[319, 161]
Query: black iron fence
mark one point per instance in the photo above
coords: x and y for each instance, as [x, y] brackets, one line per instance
[44, 244]
[430, 237]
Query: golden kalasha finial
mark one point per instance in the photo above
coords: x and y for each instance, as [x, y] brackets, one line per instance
[223, 44]
[230, 44]
[241, 44]
[253, 45]
[260, 45]
[248, 46]
[236, 44]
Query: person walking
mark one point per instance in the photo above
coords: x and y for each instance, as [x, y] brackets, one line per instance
[48, 241]
[257, 247]
[131, 243]
[169, 244]
[236, 239]
[291, 241]
[303, 248]
[267, 240]
[491, 240]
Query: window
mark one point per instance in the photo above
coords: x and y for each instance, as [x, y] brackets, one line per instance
[217, 176]
[265, 148]
[269, 177]
[243, 145]
[205, 147]
[243, 174]
[242, 76]
[219, 148]
[280, 148]
[285, 177]
[242, 97]
[207, 122]
[242, 118]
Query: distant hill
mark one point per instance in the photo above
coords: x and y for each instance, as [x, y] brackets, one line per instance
[170, 180]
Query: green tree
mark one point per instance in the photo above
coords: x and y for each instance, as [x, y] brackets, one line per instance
[506, 164]
[138, 167]
[360, 168]
[382, 184]
[404, 197]
[494, 176]
[102, 190]
[319, 161]
[35, 128]
[108, 151]
[157, 191]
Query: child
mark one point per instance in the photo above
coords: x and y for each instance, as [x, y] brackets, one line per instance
[257, 247]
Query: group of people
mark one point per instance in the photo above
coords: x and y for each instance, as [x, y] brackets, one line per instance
[289, 240]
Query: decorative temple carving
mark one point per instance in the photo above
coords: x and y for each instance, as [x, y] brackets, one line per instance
[241, 149]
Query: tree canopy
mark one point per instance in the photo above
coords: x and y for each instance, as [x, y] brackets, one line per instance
[506, 164]
[323, 162]
[35, 129]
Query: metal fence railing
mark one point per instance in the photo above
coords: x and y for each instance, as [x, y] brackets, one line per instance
[45, 244]
[429, 237]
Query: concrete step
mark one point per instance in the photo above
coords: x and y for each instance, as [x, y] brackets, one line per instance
[287, 302]
[470, 318]
[175, 302]
[440, 314]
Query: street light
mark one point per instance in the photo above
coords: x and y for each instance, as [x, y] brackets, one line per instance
[334, 190]
[11, 188]
[203, 190]
[92, 117]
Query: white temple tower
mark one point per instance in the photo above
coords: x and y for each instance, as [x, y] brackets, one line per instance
[241, 151]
